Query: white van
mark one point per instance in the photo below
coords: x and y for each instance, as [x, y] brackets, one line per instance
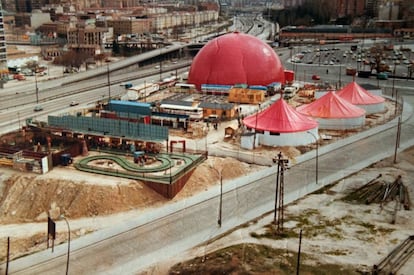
[289, 92]
[297, 86]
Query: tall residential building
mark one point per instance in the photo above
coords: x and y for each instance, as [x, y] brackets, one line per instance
[9, 5]
[372, 8]
[3, 55]
[292, 3]
[350, 7]
[29, 5]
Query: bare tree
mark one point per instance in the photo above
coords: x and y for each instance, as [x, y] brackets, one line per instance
[32, 65]
[72, 59]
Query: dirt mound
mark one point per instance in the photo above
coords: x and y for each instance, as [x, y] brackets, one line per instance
[29, 198]
[208, 174]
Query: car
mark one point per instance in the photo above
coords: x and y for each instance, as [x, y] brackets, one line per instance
[316, 77]
[38, 108]
[74, 103]
[382, 76]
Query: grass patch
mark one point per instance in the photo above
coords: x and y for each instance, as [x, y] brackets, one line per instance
[258, 259]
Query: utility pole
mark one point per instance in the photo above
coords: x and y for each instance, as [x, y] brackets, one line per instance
[279, 192]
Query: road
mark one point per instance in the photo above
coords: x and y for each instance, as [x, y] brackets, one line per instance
[55, 95]
[157, 235]
[134, 245]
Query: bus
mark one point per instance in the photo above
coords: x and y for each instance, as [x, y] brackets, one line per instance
[167, 82]
[142, 91]
[185, 87]
[193, 112]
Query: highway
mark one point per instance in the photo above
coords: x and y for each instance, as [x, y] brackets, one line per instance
[55, 95]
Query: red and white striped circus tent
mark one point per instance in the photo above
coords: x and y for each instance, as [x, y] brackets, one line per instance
[334, 112]
[360, 97]
[280, 125]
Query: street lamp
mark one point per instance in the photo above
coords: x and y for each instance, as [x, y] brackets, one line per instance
[317, 154]
[36, 87]
[67, 260]
[219, 173]
[160, 57]
[393, 81]
[109, 81]
[255, 129]
[340, 69]
[279, 157]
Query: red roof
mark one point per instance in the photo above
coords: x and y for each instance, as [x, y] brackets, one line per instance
[331, 106]
[280, 117]
[236, 58]
[358, 95]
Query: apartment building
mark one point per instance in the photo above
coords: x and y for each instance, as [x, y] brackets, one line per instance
[3, 54]
[87, 39]
[129, 25]
[164, 22]
[350, 7]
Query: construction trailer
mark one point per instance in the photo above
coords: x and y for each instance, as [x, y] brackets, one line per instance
[246, 96]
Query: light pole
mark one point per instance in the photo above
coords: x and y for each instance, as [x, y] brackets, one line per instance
[160, 63]
[317, 154]
[340, 69]
[279, 157]
[109, 81]
[219, 173]
[36, 87]
[255, 129]
[393, 82]
[67, 260]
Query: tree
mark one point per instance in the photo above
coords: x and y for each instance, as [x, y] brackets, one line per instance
[115, 47]
[377, 53]
[32, 65]
[311, 12]
[72, 59]
[100, 57]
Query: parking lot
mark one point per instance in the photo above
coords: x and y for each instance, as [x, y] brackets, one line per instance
[396, 61]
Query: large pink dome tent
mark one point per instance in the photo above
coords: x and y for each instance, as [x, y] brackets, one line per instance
[360, 97]
[282, 125]
[236, 58]
[333, 112]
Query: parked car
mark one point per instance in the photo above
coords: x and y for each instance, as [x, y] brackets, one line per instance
[316, 77]
[382, 76]
[19, 77]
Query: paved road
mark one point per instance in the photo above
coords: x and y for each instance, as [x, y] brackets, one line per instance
[154, 236]
[157, 235]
